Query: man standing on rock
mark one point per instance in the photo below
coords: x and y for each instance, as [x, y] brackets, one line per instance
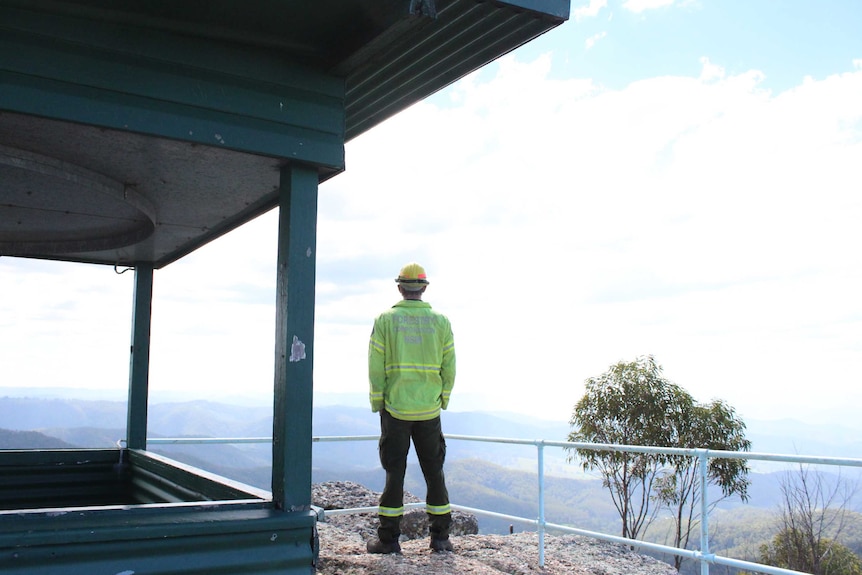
[411, 370]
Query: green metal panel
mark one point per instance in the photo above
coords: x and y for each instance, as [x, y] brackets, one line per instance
[204, 485]
[139, 362]
[198, 541]
[32, 479]
[294, 350]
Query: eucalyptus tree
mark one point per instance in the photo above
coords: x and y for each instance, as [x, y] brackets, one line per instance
[634, 404]
[630, 404]
[713, 426]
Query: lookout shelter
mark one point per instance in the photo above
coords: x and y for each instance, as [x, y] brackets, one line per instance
[133, 132]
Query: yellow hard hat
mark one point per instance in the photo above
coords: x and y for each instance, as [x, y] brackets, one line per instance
[412, 277]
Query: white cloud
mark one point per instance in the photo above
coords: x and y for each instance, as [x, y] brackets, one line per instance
[679, 216]
[591, 41]
[591, 10]
[64, 324]
[710, 71]
[565, 226]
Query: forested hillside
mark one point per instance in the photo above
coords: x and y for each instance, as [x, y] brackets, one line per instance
[13, 439]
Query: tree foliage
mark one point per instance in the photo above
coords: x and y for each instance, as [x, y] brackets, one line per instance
[793, 549]
[628, 405]
[633, 404]
[813, 517]
[712, 426]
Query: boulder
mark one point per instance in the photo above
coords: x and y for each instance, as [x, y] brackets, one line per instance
[349, 495]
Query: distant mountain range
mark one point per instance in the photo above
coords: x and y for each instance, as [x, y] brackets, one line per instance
[101, 423]
[347, 414]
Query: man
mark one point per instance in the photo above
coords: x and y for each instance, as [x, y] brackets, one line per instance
[411, 370]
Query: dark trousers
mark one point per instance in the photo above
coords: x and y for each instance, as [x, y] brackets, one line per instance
[427, 436]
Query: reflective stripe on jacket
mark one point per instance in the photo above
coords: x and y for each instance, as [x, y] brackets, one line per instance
[411, 361]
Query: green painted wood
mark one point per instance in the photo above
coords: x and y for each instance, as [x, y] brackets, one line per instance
[139, 361]
[44, 97]
[131, 77]
[294, 349]
[174, 67]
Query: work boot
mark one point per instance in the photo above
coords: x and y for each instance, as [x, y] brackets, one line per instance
[377, 546]
[438, 544]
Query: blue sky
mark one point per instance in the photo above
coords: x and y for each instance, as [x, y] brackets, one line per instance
[679, 179]
[628, 41]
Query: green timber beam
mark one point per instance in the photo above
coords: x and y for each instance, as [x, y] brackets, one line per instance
[294, 339]
[129, 77]
[139, 363]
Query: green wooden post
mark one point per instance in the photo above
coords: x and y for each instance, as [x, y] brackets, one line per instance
[294, 339]
[139, 363]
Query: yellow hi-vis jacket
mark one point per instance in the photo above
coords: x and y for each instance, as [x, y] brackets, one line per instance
[411, 361]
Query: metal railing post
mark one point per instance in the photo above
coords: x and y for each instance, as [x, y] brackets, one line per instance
[703, 460]
[540, 445]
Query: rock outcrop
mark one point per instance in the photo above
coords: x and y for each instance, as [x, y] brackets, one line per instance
[349, 495]
[342, 546]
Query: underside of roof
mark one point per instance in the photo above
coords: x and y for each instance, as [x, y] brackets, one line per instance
[138, 131]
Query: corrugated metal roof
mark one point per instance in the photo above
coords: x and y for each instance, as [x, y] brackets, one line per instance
[419, 56]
